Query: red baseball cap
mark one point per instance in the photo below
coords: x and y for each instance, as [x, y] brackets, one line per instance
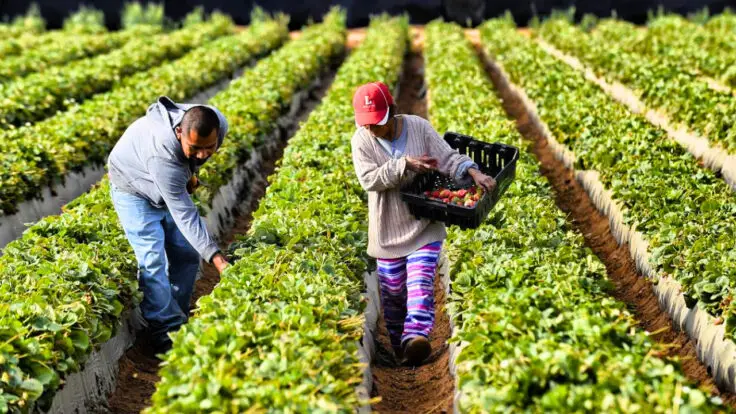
[371, 104]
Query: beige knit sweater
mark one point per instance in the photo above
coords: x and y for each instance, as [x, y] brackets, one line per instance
[393, 231]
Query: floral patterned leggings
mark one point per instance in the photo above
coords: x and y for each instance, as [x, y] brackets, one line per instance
[407, 293]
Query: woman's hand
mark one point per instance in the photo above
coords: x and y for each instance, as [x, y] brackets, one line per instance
[482, 180]
[421, 164]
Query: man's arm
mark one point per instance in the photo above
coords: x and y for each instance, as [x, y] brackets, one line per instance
[171, 183]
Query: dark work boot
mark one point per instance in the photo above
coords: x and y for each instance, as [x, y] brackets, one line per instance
[416, 350]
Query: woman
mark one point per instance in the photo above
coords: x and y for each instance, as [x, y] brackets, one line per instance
[388, 151]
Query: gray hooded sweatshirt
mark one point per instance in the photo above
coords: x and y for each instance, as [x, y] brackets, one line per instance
[149, 162]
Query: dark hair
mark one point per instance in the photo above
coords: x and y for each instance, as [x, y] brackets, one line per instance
[201, 119]
[393, 110]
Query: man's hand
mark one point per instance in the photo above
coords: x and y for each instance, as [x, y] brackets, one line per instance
[192, 184]
[482, 180]
[220, 262]
[421, 164]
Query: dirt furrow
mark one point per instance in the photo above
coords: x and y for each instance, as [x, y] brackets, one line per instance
[428, 388]
[630, 286]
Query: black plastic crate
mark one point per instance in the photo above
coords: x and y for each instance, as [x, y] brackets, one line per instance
[495, 160]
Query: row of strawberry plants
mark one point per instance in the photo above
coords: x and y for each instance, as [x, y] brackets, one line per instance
[40, 95]
[537, 329]
[722, 24]
[661, 84]
[32, 23]
[686, 213]
[675, 39]
[67, 48]
[280, 331]
[66, 281]
[39, 155]
[298, 64]
[18, 45]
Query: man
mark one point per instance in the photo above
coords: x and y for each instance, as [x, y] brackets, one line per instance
[152, 171]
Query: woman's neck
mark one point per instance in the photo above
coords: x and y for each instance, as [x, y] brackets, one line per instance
[395, 129]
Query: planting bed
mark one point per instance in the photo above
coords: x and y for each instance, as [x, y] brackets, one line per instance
[602, 281]
[516, 52]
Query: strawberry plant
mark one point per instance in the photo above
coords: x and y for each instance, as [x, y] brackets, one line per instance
[30, 23]
[661, 83]
[27, 41]
[673, 38]
[40, 95]
[66, 48]
[279, 332]
[685, 213]
[40, 154]
[537, 328]
[297, 63]
[723, 24]
[65, 283]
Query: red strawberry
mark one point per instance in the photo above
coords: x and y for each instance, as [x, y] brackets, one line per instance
[436, 193]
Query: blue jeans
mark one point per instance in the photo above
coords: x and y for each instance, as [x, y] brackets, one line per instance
[167, 263]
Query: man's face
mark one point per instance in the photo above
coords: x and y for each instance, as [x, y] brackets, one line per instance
[195, 146]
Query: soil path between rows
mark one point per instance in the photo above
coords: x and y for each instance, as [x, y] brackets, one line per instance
[138, 376]
[428, 388]
[630, 286]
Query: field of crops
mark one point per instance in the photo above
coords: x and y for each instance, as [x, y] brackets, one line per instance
[602, 281]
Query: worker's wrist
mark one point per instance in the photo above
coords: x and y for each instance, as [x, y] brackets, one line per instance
[215, 256]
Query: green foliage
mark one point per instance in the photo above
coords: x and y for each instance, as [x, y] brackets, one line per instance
[279, 333]
[661, 83]
[686, 213]
[65, 282]
[135, 14]
[283, 74]
[28, 25]
[194, 17]
[63, 49]
[40, 95]
[538, 329]
[86, 20]
[723, 24]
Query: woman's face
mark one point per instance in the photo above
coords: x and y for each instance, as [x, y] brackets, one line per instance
[380, 131]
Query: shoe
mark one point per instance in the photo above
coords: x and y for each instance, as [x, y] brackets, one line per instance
[416, 350]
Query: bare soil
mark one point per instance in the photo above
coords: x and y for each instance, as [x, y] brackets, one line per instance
[428, 388]
[355, 37]
[137, 377]
[630, 286]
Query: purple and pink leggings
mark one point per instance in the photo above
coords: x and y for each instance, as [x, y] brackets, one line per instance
[407, 293]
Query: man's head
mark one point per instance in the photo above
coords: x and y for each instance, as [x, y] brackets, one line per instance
[198, 132]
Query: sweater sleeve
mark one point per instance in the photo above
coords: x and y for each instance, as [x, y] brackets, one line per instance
[371, 175]
[171, 183]
[449, 161]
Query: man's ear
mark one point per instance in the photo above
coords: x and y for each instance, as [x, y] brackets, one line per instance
[177, 131]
